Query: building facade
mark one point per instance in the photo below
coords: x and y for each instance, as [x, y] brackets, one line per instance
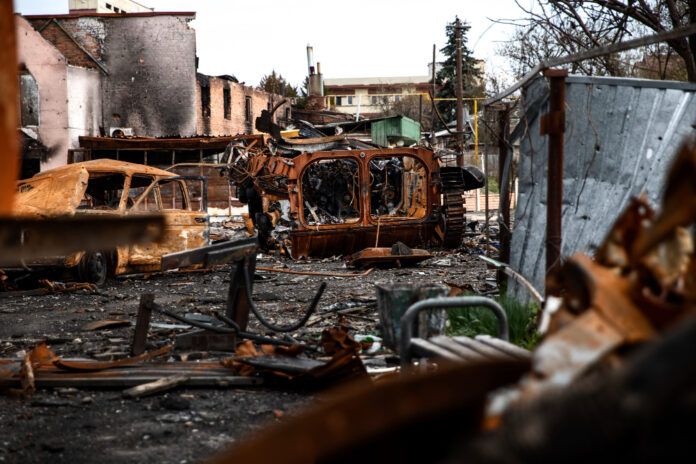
[107, 6]
[372, 96]
[60, 100]
[127, 74]
[226, 107]
[148, 64]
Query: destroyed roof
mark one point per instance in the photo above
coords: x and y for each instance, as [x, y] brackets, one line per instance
[111, 15]
[155, 143]
[621, 135]
[107, 165]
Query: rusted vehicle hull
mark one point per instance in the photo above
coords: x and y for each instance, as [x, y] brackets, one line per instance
[325, 243]
[316, 202]
[107, 188]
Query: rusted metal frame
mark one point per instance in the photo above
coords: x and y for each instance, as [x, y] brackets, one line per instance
[553, 125]
[505, 235]
[303, 162]
[9, 114]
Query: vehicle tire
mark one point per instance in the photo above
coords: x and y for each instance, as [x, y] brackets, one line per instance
[94, 268]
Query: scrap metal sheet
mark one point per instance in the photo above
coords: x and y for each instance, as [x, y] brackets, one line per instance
[621, 136]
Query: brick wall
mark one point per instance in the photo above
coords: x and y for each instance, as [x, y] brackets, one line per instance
[211, 120]
[66, 46]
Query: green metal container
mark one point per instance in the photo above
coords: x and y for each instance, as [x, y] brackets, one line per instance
[392, 131]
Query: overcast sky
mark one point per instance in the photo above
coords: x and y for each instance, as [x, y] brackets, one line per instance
[356, 38]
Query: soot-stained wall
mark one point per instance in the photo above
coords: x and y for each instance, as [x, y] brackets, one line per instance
[151, 85]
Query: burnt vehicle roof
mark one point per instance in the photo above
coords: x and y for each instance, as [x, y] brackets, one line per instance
[108, 165]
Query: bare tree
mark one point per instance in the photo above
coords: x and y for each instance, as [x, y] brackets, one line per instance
[559, 27]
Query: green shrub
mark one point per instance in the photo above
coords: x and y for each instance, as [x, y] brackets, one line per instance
[478, 321]
[493, 186]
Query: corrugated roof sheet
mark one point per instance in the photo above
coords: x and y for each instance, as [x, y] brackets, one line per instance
[621, 135]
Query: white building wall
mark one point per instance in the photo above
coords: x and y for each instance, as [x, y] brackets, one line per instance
[84, 103]
[109, 6]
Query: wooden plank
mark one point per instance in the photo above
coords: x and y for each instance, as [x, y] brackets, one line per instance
[160, 385]
[77, 381]
[507, 347]
[424, 348]
[464, 352]
[487, 350]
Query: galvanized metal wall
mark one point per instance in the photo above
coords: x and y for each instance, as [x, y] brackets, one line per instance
[620, 137]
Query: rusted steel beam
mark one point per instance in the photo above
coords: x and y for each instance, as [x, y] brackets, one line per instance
[142, 324]
[553, 125]
[9, 117]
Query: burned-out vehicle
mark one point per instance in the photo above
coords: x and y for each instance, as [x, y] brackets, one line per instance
[114, 188]
[332, 195]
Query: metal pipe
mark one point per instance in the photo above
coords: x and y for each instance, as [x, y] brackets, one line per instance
[432, 95]
[287, 328]
[504, 184]
[412, 312]
[459, 93]
[553, 125]
[213, 328]
[310, 60]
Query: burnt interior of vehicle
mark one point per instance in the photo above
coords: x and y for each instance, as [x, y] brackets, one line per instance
[103, 191]
[398, 187]
[331, 192]
[139, 199]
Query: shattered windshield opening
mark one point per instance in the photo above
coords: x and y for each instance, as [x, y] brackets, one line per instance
[398, 188]
[172, 194]
[138, 187]
[104, 192]
[331, 192]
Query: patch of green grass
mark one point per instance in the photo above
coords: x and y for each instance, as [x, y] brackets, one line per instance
[478, 321]
[493, 186]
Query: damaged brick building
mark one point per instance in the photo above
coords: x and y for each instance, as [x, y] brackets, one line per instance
[128, 74]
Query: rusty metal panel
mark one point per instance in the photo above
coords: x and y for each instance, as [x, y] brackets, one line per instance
[621, 135]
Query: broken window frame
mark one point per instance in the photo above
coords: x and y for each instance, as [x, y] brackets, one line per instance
[205, 101]
[227, 102]
[247, 109]
[30, 100]
[100, 208]
[424, 193]
[135, 207]
[186, 204]
[355, 219]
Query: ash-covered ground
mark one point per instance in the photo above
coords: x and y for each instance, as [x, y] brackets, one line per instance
[182, 425]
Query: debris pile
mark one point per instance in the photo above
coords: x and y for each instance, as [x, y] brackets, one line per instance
[614, 367]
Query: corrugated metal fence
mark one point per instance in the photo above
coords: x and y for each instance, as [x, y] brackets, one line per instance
[621, 135]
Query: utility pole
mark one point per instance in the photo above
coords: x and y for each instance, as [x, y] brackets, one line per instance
[432, 103]
[460, 103]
